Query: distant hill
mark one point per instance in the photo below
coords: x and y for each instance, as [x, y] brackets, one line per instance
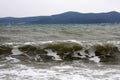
[66, 18]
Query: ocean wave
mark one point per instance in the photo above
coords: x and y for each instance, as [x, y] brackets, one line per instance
[66, 50]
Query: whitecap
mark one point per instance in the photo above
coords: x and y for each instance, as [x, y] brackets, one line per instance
[95, 59]
[54, 54]
[15, 51]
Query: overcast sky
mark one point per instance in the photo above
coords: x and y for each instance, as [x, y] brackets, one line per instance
[22, 8]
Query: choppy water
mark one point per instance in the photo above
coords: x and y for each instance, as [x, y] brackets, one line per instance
[60, 52]
[37, 33]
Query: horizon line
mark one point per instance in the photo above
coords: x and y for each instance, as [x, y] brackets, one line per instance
[61, 13]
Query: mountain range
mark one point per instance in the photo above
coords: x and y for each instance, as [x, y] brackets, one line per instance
[66, 18]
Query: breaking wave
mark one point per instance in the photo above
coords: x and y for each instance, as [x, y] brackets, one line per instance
[68, 50]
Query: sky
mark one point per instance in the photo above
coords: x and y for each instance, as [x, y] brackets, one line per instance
[24, 8]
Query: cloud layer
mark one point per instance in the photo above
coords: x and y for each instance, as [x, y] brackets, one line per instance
[21, 8]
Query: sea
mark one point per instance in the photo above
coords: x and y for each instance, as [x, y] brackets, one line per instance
[60, 52]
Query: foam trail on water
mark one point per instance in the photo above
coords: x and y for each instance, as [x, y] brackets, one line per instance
[15, 51]
[12, 60]
[95, 59]
[54, 54]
